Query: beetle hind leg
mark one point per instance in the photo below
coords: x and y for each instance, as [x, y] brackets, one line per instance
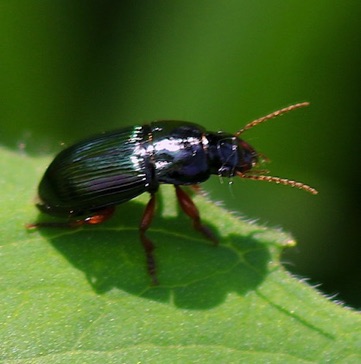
[97, 218]
[192, 211]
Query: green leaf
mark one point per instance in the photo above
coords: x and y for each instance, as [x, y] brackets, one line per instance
[83, 296]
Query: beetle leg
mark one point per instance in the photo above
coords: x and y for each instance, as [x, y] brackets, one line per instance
[192, 211]
[147, 243]
[98, 218]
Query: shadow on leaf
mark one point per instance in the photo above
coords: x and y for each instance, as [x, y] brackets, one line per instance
[192, 272]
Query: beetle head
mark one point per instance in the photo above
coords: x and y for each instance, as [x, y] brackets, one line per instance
[233, 156]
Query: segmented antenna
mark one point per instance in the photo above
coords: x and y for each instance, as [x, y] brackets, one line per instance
[278, 180]
[271, 116]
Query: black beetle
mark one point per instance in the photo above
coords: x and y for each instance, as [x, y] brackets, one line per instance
[87, 180]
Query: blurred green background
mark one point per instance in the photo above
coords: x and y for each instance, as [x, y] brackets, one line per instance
[72, 68]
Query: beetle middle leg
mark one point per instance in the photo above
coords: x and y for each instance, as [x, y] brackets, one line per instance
[147, 243]
[192, 211]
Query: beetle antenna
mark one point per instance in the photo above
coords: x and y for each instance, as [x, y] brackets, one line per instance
[278, 180]
[271, 116]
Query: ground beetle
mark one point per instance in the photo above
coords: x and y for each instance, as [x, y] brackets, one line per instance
[86, 181]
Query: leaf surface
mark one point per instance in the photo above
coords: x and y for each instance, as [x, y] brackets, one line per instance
[83, 296]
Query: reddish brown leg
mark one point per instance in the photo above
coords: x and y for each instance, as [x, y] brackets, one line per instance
[100, 217]
[147, 243]
[191, 210]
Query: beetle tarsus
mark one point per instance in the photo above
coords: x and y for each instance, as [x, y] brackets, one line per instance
[148, 246]
[192, 211]
[205, 231]
[55, 224]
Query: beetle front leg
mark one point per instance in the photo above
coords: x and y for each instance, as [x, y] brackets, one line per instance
[147, 243]
[191, 210]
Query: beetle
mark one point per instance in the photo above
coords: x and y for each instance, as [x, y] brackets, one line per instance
[87, 180]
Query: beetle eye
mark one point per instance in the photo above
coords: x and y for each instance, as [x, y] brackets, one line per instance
[228, 156]
[227, 149]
